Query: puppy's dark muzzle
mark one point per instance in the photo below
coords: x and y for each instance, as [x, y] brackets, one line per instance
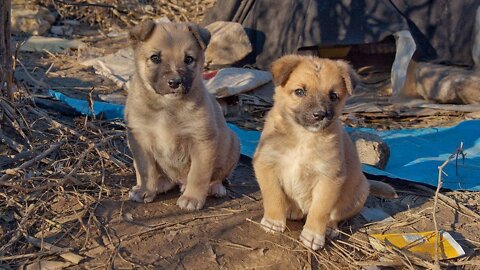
[178, 86]
[174, 83]
[321, 115]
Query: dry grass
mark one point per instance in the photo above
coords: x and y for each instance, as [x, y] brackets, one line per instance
[129, 12]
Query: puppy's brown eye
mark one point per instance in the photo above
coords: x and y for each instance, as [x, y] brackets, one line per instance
[300, 92]
[155, 58]
[188, 60]
[333, 96]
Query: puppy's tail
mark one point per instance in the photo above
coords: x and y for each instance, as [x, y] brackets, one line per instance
[382, 190]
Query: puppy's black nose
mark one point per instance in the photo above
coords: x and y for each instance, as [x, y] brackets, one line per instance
[319, 115]
[174, 83]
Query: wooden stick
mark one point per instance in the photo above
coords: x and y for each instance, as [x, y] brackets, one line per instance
[6, 66]
[11, 143]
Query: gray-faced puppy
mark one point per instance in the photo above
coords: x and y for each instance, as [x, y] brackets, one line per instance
[175, 128]
[305, 163]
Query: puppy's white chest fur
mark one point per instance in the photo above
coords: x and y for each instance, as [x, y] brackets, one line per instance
[300, 167]
[168, 143]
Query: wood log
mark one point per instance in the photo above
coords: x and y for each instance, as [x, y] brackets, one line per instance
[6, 69]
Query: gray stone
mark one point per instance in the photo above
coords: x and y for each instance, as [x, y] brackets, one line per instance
[228, 43]
[371, 149]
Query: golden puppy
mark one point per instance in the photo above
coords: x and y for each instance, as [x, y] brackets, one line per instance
[175, 128]
[305, 163]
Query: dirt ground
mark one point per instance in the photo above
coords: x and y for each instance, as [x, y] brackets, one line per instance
[226, 234]
[76, 197]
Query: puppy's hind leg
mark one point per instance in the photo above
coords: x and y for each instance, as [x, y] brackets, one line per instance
[294, 212]
[150, 181]
[348, 206]
[217, 189]
[221, 175]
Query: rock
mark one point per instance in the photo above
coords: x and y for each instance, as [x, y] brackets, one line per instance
[371, 149]
[36, 20]
[229, 43]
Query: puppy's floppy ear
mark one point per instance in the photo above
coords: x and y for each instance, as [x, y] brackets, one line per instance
[349, 75]
[283, 67]
[202, 35]
[141, 31]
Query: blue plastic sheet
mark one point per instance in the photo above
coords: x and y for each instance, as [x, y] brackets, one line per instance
[107, 110]
[415, 153]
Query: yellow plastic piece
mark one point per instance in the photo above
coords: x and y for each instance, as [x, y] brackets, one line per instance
[422, 244]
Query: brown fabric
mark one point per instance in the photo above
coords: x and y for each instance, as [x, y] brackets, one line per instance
[441, 28]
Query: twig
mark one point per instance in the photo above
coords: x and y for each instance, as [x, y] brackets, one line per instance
[64, 253]
[29, 163]
[7, 160]
[21, 256]
[37, 82]
[57, 124]
[457, 152]
[233, 245]
[11, 143]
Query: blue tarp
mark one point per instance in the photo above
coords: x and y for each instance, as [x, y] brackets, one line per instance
[415, 153]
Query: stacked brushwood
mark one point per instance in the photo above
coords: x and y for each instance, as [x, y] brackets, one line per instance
[53, 175]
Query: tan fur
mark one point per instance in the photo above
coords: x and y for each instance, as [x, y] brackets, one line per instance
[309, 170]
[176, 138]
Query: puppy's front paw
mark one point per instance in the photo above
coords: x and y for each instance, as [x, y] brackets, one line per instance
[217, 190]
[311, 239]
[189, 203]
[271, 225]
[139, 194]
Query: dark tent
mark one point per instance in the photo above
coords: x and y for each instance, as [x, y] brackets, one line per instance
[442, 29]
